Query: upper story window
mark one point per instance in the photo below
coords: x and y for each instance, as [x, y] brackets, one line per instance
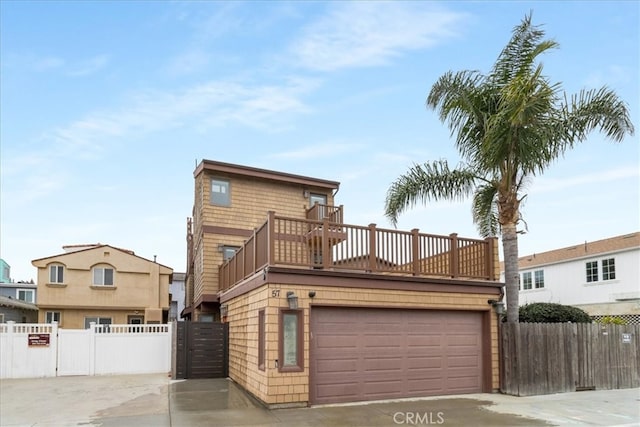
[229, 251]
[608, 269]
[538, 276]
[102, 276]
[526, 280]
[220, 194]
[592, 271]
[27, 295]
[56, 273]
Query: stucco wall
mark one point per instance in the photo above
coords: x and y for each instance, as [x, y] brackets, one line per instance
[274, 387]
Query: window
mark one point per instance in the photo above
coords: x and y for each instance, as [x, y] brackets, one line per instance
[538, 276]
[56, 274]
[229, 251]
[220, 192]
[27, 295]
[52, 316]
[592, 271]
[526, 280]
[103, 276]
[291, 341]
[97, 321]
[261, 340]
[608, 269]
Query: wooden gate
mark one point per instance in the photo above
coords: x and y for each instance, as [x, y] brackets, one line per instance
[202, 350]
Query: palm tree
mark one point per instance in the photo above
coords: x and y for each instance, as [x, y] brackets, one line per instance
[509, 126]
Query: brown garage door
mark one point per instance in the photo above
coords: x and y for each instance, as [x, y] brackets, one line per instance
[369, 354]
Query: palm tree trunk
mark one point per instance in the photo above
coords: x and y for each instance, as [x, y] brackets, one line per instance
[511, 275]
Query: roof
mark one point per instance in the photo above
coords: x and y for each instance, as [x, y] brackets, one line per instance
[582, 250]
[92, 247]
[213, 166]
[15, 303]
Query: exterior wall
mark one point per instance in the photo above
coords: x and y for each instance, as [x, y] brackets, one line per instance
[10, 290]
[5, 272]
[251, 199]
[140, 286]
[177, 291]
[275, 388]
[565, 283]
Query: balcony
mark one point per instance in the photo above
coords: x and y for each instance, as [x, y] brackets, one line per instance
[328, 245]
[320, 212]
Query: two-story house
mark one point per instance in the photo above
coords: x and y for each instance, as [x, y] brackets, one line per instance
[321, 311]
[18, 301]
[102, 284]
[600, 277]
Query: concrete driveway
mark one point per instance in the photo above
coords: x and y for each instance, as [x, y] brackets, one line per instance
[154, 400]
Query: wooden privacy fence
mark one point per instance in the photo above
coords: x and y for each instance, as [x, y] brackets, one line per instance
[544, 358]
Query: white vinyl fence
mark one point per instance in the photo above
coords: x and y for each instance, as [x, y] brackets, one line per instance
[44, 350]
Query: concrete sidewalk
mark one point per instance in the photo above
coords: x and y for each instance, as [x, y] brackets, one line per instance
[154, 400]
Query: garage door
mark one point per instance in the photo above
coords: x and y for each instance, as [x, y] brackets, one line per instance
[369, 354]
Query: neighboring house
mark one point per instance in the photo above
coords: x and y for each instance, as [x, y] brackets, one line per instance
[320, 311]
[5, 272]
[13, 310]
[20, 291]
[600, 277]
[102, 284]
[176, 289]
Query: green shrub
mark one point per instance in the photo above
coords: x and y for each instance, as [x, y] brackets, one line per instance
[612, 320]
[546, 312]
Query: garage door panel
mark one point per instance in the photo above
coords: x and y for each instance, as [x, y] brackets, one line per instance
[393, 353]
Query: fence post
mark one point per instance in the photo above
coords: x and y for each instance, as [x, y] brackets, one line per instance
[54, 342]
[92, 348]
[271, 244]
[326, 244]
[372, 247]
[453, 260]
[10, 331]
[415, 251]
[255, 249]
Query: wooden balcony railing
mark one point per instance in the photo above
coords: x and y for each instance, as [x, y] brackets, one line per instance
[318, 212]
[293, 242]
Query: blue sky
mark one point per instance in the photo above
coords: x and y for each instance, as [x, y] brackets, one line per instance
[107, 106]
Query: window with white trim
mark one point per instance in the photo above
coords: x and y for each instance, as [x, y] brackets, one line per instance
[102, 276]
[526, 280]
[52, 316]
[592, 271]
[608, 269]
[97, 321]
[56, 273]
[26, 295]
[538, 277]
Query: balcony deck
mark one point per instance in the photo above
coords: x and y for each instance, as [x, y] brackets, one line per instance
[332, 245]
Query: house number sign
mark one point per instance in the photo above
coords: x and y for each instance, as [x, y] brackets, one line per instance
[38, 340]
[626, 338]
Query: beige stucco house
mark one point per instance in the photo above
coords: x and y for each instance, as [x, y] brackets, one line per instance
[320, 311]
[102, 284]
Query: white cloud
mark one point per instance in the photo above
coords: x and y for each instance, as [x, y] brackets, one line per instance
[88, 66]
[314, 151]
[545, 185]
[357, 34]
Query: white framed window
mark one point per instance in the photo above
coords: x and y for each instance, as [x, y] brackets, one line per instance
[526, 280]
[608, 269]
[26, 295]
[592, 271]
[220, 192]
[52, 316]
[103, 276]
[97, 321]
[538, 277]
[56, 273]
